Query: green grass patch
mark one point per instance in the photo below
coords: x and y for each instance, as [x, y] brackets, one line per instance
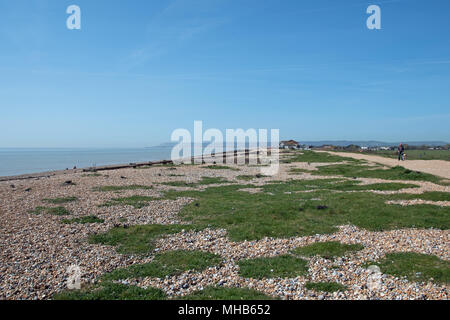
[325, 286]
[415, 267]
[56, 211]
[333, 184]
[61, 200]
[430, 196]
[327, 250]
[111, 291]
[245, 177]
[362, 171]
[394, 186]
[250, 177]
[285, 266]
[83, 220]
[311, 156]
[279, 211]
[354, 185]
[38, 210]
[121, 188]
[218, 167]
[222, 293]
[137, 202]
[167, 264]
[135, 239]
[203, 181]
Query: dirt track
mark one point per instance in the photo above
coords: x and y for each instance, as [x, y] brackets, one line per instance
[439, 168]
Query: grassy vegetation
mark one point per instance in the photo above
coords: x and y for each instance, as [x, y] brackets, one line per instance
[218, 167]
[333, 184]
[363, 171]
[415, 267]
[203, 181]
[245, 177]
[311, 156]
[250, 177]
[135, 239]
[56, 211]
[415, 154]
[349, 185]
[144, 167]
[325, 286]
[327, 250]
[111, 291]
[285, 266]
[137, 202]
[83, 220]
[61, 200]
[299, 170]
[382, 187]
[430, 196]
[221, 293]
[37, 210]
[167, 264]
[121, 188]
[279, 211]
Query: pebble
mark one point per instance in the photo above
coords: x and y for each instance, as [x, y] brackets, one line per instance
[36, 250]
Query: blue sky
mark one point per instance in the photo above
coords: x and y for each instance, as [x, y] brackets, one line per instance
[139, 69]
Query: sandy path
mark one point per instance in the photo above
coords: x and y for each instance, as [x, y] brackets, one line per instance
[436, 167]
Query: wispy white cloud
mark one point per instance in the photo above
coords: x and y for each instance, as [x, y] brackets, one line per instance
[175, 26]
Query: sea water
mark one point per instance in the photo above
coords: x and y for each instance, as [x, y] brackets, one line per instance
[22, 161]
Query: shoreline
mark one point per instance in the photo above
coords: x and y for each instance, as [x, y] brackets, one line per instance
[47, 174]
[51, 173]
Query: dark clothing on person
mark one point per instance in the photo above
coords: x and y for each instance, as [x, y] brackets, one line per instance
[401, 150]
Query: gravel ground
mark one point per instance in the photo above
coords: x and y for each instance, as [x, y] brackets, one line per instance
[346, 270]
[36, 250]
[439, 168]
[419, 201]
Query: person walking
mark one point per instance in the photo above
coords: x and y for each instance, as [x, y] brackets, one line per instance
[400, 151]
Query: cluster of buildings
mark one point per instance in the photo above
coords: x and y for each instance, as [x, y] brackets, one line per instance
[292, 144]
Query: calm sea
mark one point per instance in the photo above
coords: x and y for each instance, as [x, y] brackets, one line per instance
[22, 161]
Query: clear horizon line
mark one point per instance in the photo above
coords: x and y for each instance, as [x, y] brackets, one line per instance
[165, 143]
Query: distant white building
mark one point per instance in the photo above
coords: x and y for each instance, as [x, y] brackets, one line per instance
[289, 144]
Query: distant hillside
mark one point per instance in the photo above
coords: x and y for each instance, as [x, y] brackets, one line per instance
[343, 143]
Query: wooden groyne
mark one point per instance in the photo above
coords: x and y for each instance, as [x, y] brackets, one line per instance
[211, 157]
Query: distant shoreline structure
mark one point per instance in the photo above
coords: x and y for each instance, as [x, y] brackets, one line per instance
[28, 163]
[47, 174]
